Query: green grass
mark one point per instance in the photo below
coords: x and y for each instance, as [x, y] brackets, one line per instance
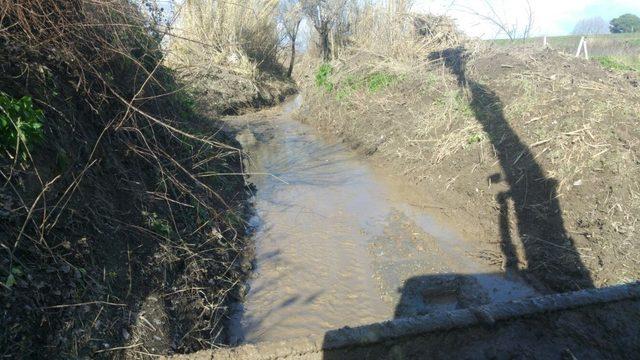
[475, 138]
[618, 64]
[615, 45]
[618, 52]
[380, 80]
[373, 83]
[571, 40]
[348, 87]
[322, 77]
[157, 224]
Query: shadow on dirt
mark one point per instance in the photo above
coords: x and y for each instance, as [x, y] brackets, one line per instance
[546, 257]
[429, 327]
[548, 252]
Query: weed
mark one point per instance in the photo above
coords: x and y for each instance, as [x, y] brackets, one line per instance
[187, 103]
[233, 218]
[430, 80]
[16, 272]
[62, 161]
[157, 224]
[347, 87]
[475, 138]
[20, 124]
[379, 81]
[322, 77]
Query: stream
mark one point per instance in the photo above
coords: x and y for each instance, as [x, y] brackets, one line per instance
[337, 245]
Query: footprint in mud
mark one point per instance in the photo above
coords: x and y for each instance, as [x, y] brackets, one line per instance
[430, 293]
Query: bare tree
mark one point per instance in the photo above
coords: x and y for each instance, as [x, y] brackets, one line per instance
[510, 26]
[324, 15]
[591, 26]
[290, 16]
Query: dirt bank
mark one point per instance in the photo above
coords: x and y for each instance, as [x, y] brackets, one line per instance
[118, 236]
[532, 153]
[230, 94]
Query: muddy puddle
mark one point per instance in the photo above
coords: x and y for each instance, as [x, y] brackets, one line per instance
[336, 245]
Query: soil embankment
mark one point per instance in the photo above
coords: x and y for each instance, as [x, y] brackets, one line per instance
[530, 152]
[121, 205]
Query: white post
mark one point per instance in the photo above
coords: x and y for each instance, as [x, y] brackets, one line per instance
[580, 46]
[586, 52]
[544, 42]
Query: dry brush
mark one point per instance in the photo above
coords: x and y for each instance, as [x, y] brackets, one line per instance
[120, 203]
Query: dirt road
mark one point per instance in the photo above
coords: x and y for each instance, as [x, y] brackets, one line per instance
[338, 244]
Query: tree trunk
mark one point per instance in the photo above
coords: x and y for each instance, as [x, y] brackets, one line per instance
[324, 42]
[293, 56]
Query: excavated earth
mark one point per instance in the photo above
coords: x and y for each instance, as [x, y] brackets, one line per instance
[349, 265]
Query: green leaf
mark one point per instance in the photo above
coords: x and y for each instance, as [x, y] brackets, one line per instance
[11, 280]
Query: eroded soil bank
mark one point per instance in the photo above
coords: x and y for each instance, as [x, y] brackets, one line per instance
[338, 244]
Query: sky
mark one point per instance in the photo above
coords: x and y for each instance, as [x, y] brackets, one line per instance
[551, 17]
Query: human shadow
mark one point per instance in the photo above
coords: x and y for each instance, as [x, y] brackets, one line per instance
[546, 256]
[548, 251]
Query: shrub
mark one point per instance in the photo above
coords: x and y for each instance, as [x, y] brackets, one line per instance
[20, 124]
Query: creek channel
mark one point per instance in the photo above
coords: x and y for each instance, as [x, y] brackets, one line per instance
[337, 245]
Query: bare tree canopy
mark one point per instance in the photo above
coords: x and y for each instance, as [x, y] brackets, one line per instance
[324, 15]
[290, 16]
[591, 26]
[504, 24]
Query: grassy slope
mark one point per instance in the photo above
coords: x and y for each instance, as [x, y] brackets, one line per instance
[571, 41]
[614, 51]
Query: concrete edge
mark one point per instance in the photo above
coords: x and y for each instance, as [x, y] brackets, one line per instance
[379, 332]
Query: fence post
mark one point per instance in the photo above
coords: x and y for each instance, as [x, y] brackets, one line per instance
[544, 42]
[580, 46]
[586, 52]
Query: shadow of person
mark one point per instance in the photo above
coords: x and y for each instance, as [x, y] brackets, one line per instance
[549, 255]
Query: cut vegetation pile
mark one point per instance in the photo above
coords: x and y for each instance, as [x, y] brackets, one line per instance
[118, 236]
[536, 150]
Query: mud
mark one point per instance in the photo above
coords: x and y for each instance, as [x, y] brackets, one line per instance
[587, 324]
[337, 244]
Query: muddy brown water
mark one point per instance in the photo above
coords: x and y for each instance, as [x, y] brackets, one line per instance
[339, 245]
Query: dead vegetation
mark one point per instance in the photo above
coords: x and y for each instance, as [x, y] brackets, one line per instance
[229, 52]
[120, 235]
[538, 148]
